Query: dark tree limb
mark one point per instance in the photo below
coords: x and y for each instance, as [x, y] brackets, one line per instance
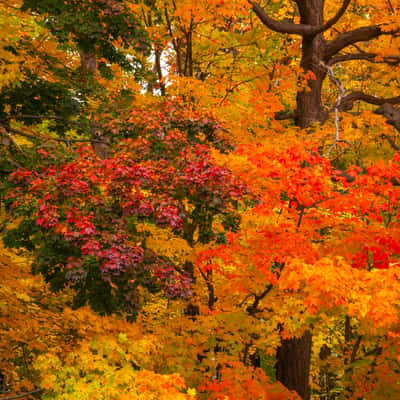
[392, 143]
[391, 60]
[100, 141]
[300, 3]
[328, 24]
[392, 9]
[232, 88]
[54, 117]
[355, 349]
[348, 38]
[88, 61]
[391, 113]
[293, 364]
[40, 137]
[253, 308]
[157, 63]
[22, 395]
[298, 29]
[283, 115]
[348, 101]
[281, 26]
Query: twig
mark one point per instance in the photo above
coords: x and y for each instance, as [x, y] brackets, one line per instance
[41, 117]
[253, 308]
[342, 93]
[391, 6]
[20, 396]
[355, 349]
[38, 137]
[230, 90]
[391, 142]
[10, 138]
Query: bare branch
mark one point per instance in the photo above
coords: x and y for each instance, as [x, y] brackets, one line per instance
[41, 117]
[297, 29]
[390, 60]
[348, 101]
[328, 24]
[355, 349]
[22, 395]
[391, 113]
[357, 35]
[342, 94]
[391, 141]
[300, 3]
[392, 9]
[283, 115]
[253, 308]
[231, 89]
[40, 137]
[281, 26]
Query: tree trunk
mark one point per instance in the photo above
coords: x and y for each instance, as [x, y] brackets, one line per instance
[308, 101]
[88, 61]
[293, 364]
[309, 107]
[294, 355]
[100, 141]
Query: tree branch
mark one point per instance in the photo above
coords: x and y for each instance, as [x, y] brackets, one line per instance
[328, 24]
[391, 113]
[392, 143]
[392, 9]
[235, 86]
[41, 117]
[341, 95]
[22, 395]
[27, 135]
[357, 35]
[297, 29]
[253, 308]
[283, 115]
[348, 101]
[280, 26]
[355, 349]
[391, 60]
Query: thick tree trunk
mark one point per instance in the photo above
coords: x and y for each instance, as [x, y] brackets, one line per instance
[293, 364]
[294, 355]
[309, 107]
[308, 101]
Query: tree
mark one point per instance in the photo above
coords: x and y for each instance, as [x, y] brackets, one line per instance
[72, 53]
[318, 53]
[62, 353]
[231, 238]
[161, 174]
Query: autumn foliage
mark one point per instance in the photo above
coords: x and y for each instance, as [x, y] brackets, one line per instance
[199, 200]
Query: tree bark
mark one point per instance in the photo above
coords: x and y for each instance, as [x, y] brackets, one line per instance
[309, 107]
[391, 113]
[88, 61]
[293, 364]
[100, 141]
